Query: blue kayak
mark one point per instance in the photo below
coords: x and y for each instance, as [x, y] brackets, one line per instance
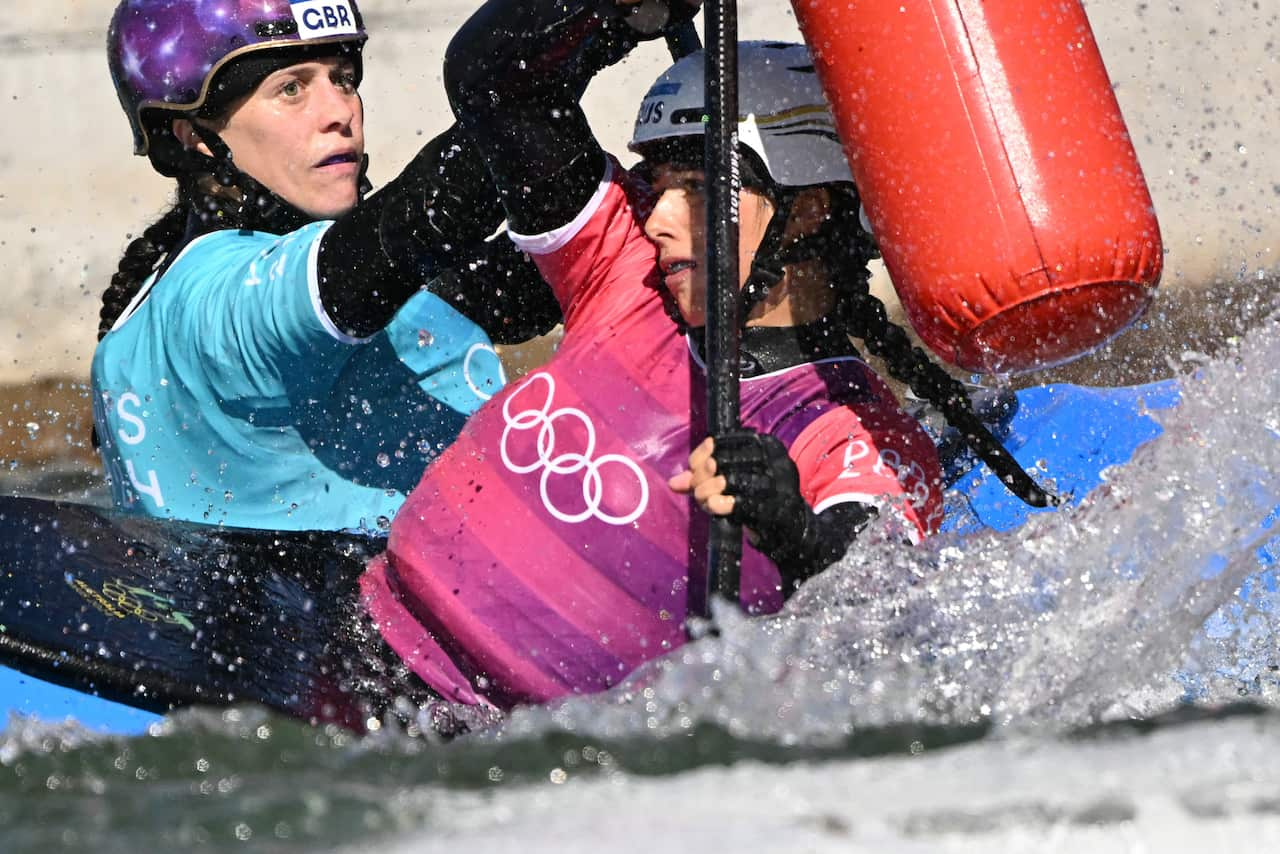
[1073, 433]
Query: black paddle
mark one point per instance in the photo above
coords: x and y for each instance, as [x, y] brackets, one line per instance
[720, 18]
[724, 552]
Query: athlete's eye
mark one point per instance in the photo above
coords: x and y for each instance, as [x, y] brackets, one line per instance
[693, 184]
[291, 88]
[687, 181]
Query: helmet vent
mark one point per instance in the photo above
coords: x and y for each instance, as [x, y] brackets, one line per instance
[688, 116]
[272, 29]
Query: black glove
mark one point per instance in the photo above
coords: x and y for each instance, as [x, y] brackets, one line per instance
[762, 479]
[765, 486]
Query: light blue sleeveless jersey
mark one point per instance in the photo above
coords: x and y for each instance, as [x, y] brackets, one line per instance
[225, 395]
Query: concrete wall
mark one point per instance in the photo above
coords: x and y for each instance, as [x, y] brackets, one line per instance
[1197, 81]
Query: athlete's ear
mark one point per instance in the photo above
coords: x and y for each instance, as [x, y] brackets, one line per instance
[186, 134]
[810, 209]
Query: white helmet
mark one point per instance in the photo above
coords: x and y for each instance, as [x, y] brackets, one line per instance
[784, 117]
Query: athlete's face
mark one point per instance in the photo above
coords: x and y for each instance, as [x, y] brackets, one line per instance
[301, 134]
[678, 226]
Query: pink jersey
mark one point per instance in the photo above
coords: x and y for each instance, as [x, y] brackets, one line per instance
[543, 554]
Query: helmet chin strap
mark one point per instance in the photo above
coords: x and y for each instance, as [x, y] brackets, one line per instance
[768, 263]
[258, 206]
[771, 258]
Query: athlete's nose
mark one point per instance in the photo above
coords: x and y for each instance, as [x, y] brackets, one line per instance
[666, 222]
[338, 106]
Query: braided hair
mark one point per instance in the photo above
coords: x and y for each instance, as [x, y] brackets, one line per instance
[143, 257]
[863, 316]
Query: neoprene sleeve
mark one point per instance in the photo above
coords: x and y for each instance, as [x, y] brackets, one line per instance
[428, 226]
[514, 73]
[501, 291]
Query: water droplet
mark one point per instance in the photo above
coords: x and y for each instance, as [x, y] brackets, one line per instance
[383, 461]
[227, 496]
[384, 523]
[425, 338]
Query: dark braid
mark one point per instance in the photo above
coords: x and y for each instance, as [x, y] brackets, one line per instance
[140, 260]
[221, 199]
[865, 317]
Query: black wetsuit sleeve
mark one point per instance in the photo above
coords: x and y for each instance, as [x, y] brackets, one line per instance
[514, 73]
[806, 543]
[428, 228]
[500, 289]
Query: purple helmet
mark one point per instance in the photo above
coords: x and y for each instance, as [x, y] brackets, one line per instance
[164, 54]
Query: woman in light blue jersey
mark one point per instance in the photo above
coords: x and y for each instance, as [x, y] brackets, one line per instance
[277, 351]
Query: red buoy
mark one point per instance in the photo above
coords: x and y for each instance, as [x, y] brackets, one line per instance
[996, 170]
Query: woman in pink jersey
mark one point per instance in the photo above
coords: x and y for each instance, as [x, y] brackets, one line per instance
[547, 552]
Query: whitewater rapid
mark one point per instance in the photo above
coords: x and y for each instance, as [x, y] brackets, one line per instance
[1210, 786]
[1126, 608]
[998, 692]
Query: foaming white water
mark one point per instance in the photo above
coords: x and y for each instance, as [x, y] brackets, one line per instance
[1082, 615]
[1207, 787]
[1126, 606]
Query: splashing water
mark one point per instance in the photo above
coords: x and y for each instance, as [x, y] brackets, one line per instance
[826, 720]
[1080, 616]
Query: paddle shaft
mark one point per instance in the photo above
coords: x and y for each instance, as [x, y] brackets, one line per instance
[724, 552]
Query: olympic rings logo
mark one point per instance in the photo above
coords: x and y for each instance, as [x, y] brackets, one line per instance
[552, 462]
[469, 369]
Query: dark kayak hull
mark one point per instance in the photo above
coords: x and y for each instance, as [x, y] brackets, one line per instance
[157, 615]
